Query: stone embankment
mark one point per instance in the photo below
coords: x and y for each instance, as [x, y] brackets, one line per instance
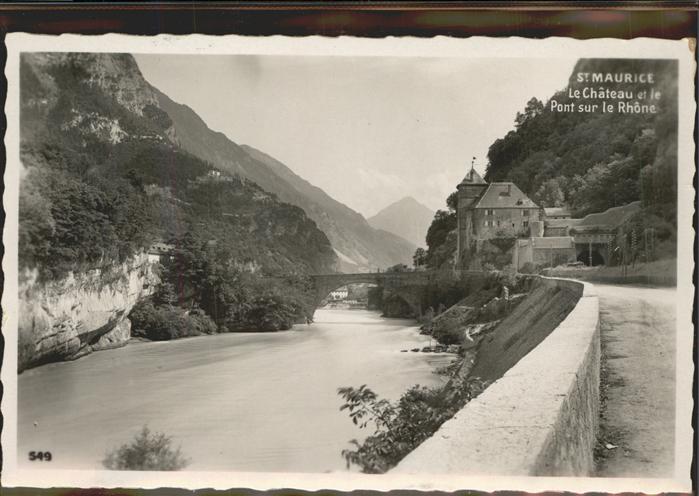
[656, 273]
[540, 415]
[68, 318]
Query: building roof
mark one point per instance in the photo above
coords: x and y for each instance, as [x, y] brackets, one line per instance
[612, 217]
[160, 247]
[472, 177]
[553, 242]
[556, 211]
[561, 222]
[504, 195]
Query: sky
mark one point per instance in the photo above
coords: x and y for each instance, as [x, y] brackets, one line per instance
[367, 130]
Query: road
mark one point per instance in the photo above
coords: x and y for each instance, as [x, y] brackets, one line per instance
[637, 427]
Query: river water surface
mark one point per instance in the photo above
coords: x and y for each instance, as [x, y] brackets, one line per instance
[244, 402]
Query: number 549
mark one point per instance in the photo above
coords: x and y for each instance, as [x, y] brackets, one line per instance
[44, 456]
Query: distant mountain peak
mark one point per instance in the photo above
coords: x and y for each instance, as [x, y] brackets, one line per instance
[407, 200]
[407, 218]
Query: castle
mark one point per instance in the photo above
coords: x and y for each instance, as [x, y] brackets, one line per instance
[492, 210]
[499, 220]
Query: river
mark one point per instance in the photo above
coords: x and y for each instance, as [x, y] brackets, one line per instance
[243, 402]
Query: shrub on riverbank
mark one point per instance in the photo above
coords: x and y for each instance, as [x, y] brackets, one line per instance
[400, 427]
[273, 311]
[148, 451]
[164, 322]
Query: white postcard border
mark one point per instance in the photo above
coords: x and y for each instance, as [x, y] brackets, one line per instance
[480, 47]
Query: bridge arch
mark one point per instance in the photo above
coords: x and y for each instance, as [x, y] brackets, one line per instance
[596, 254]
[407, 285]
[326, 283]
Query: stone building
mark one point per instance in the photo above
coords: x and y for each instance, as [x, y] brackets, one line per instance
[159, 252]
[544, 251]
[491, 210]
[338, 294]
[498, 224]
[553, 213]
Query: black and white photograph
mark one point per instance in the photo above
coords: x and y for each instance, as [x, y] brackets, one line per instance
[349, 261]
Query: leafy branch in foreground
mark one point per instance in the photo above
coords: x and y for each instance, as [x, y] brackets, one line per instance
[148, 451]
[401, 427]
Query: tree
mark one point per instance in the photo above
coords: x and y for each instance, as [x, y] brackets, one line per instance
[420, 257]
[400, 427]
[148, 451]
[533, 108]
[549, 194]
[438, 236]
[453, 201]
[399, 267]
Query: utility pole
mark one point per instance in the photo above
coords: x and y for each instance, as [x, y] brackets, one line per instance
[551, 257]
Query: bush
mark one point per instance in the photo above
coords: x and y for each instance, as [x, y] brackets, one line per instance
[164, 322]
[401, 427]
[148, 451]
[531, 268]
[271, 311]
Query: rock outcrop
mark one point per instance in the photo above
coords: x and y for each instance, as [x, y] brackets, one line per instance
[83, 312]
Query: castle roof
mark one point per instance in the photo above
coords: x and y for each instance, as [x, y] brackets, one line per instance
[504, 195]
[472, 177]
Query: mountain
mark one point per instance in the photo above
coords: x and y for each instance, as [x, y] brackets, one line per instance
[105, 176]
[358, 246]
[349, 232]
[406, 218]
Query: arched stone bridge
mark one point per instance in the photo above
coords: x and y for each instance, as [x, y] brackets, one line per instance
[407, 285]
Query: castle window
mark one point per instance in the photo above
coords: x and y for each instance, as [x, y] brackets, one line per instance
[525, 223]
[488, 223]
[525, 213]
[489, 212]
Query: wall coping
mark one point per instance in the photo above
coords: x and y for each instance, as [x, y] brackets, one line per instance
[507, 430]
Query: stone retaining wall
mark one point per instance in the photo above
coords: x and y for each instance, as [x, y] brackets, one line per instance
[540, 418]
[658, 273]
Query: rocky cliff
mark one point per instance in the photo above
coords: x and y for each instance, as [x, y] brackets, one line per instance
[70, 317]
[104, 178]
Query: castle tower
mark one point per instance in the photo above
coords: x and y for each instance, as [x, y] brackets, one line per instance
[469, 191]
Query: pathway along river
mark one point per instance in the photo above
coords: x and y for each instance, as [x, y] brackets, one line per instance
[244, 402]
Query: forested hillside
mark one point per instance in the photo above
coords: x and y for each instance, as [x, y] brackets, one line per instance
[102, 179]
[594, 161]
[589, 161]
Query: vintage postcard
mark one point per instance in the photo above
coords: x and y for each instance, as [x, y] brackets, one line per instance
[348, 263]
